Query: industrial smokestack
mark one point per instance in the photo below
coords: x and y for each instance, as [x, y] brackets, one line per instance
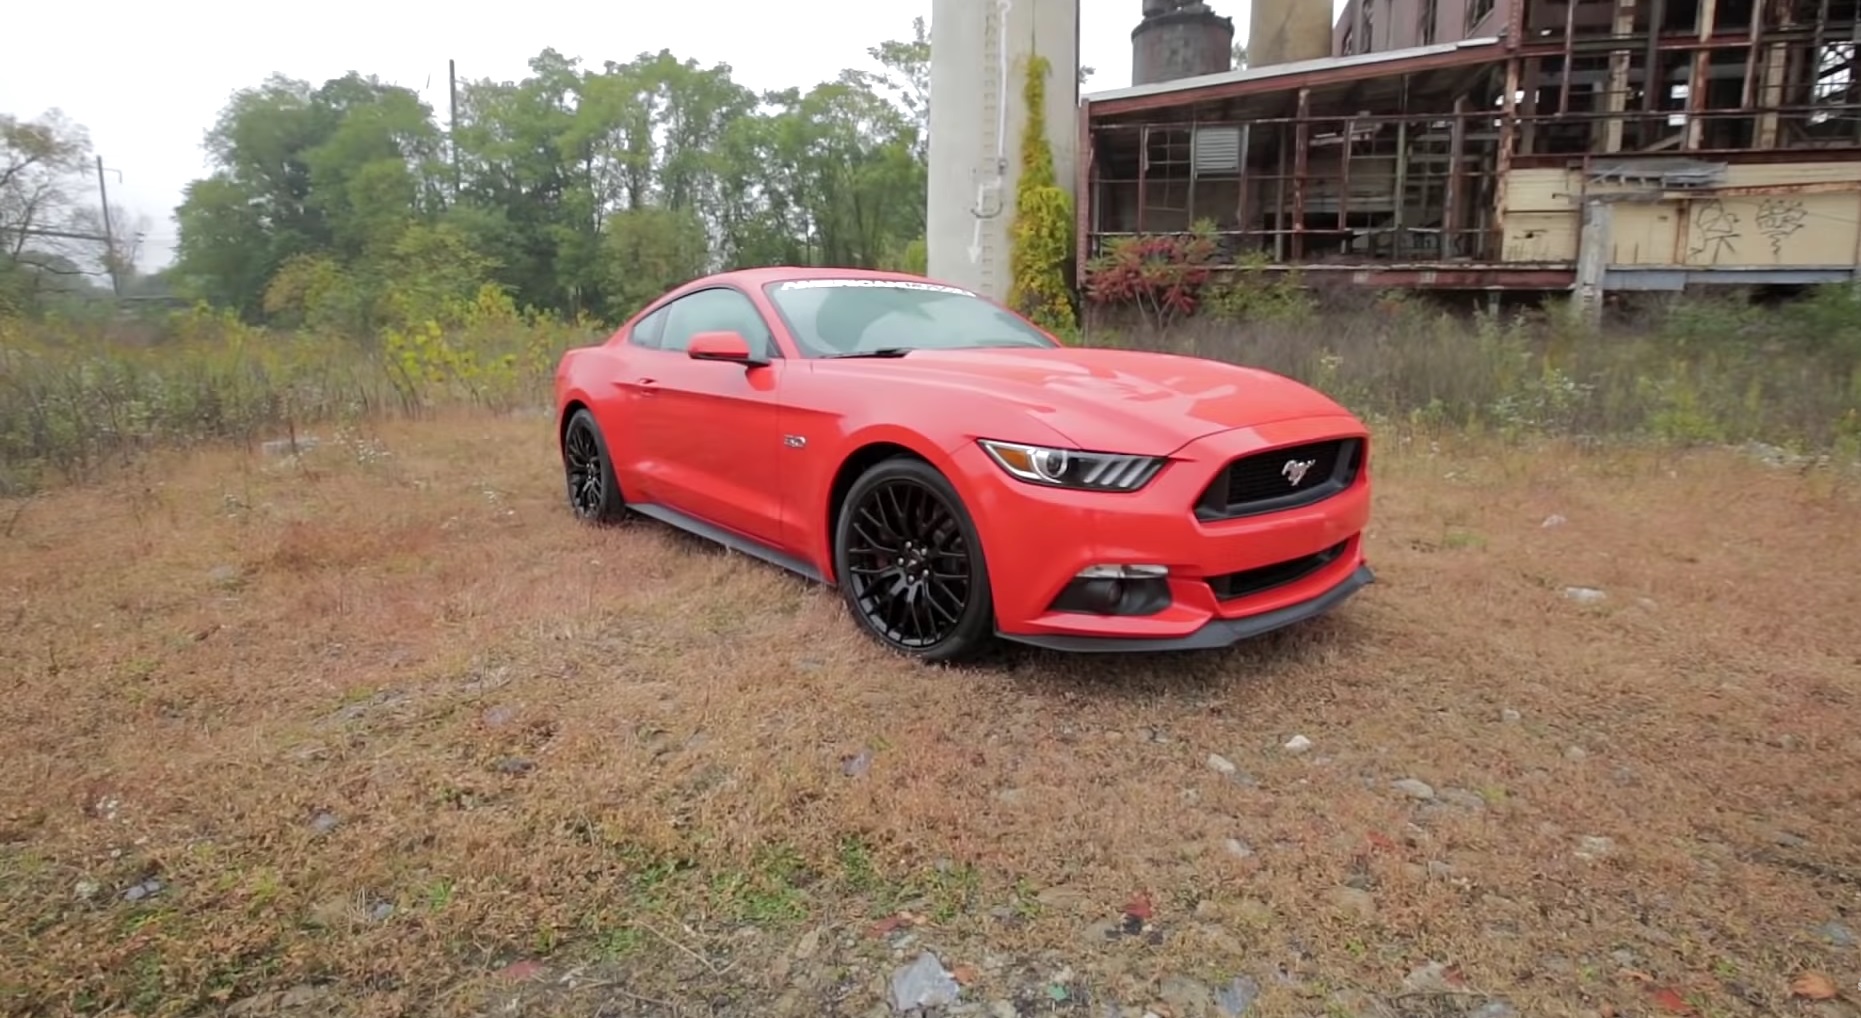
[1287, 31]
[1180, 39]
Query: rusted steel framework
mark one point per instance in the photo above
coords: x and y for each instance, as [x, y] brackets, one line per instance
[1394, 166]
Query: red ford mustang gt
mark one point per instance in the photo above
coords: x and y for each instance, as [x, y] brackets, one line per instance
[961, 475]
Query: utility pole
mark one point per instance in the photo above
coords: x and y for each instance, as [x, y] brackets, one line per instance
[109, 234]
[452, 106]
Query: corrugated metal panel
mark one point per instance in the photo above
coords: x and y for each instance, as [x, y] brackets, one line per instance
[1217, 149]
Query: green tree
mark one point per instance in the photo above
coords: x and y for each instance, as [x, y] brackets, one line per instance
[1043, 223]
[43, 220]
[646, 251]
[579, 190]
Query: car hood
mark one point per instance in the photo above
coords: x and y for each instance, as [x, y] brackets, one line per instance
[1114, 400]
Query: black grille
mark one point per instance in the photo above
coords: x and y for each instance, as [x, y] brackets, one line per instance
[1263, 481]
[1248, 582]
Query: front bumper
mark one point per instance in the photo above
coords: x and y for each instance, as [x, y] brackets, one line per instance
[1038, 539]
[1214, 634]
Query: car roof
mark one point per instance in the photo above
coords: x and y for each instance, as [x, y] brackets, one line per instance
[763, 275]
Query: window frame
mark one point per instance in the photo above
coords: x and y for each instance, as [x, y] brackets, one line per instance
[772, 347]
[654, 321]
[807, 352]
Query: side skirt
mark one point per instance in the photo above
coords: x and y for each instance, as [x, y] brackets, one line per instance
[728, 538]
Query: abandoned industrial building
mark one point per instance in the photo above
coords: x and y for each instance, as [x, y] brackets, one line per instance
[1581, 145]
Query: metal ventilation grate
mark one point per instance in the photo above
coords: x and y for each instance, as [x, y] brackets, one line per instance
[1217, 150]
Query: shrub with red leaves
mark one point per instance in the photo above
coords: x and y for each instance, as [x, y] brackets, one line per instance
[1162, 274]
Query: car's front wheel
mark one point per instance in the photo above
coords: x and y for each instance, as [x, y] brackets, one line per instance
[910, 565]
[594, 494]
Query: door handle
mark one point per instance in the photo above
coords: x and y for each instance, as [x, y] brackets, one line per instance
[646, 386]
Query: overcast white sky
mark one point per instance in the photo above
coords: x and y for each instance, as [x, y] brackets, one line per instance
[148, 80]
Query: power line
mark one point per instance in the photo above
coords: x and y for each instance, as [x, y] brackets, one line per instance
[62, 234]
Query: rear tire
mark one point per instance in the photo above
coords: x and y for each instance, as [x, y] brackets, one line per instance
[588, 471]
[910, 565]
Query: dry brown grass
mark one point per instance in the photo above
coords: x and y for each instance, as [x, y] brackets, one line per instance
[622, 754]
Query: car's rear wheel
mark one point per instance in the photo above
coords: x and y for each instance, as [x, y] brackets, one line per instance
[910, 565]
[594, 494]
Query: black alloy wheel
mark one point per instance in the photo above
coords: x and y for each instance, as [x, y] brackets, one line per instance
[594, 495]
[909, 564]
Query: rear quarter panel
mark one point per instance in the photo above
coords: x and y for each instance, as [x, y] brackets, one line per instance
[585, 376]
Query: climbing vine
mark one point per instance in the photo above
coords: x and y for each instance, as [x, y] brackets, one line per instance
[1042, 234]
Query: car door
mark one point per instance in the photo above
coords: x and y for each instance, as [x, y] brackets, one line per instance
[712, 430]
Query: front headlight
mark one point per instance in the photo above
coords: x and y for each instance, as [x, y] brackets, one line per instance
[1072, 468]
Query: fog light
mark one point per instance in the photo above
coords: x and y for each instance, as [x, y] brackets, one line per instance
[1107, 571]
[1101, 595]
[1116, 589]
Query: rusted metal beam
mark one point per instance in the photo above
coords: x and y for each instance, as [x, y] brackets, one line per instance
[1300, 165]
[1699, 83]
[1620, 61]
[1189, 185]
[1821, 40]
[1666, 43]
[1143, 175]
[1766, 190]
[1854, 66]
[1776, 64]
[1502, 168]
[1736, 157]
[1570, 41]
[1456, 179]
[1528, 137]
[1281, 174]
[1241, 211]
[1453, 277]
[1320, 78]
[1749, 97]
[1691, 194]
[1370, 120]
[1396, 219]
[1084, 201]
[1344, 175]
[1653, 81]
[1439, 275]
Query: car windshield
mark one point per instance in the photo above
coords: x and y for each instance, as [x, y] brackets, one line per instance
[865, 317]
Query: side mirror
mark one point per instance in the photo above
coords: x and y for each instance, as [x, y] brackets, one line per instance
[724, 345]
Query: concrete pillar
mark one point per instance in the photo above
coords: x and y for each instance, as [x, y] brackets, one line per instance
[1593, 259]
[978, 53]
[1288, 31]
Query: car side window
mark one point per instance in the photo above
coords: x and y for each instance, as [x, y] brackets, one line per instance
[713, 310]
[648, 330]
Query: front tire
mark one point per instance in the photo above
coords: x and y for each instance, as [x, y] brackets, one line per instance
[910, 565]
[588, 470]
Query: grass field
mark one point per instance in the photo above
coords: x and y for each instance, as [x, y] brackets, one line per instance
[377, 729]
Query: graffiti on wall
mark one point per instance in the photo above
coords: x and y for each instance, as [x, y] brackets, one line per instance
[1714, 233]
[1718, 229]
[1779, 219]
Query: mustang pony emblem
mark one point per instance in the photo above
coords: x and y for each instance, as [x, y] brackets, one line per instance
[1294, 470]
